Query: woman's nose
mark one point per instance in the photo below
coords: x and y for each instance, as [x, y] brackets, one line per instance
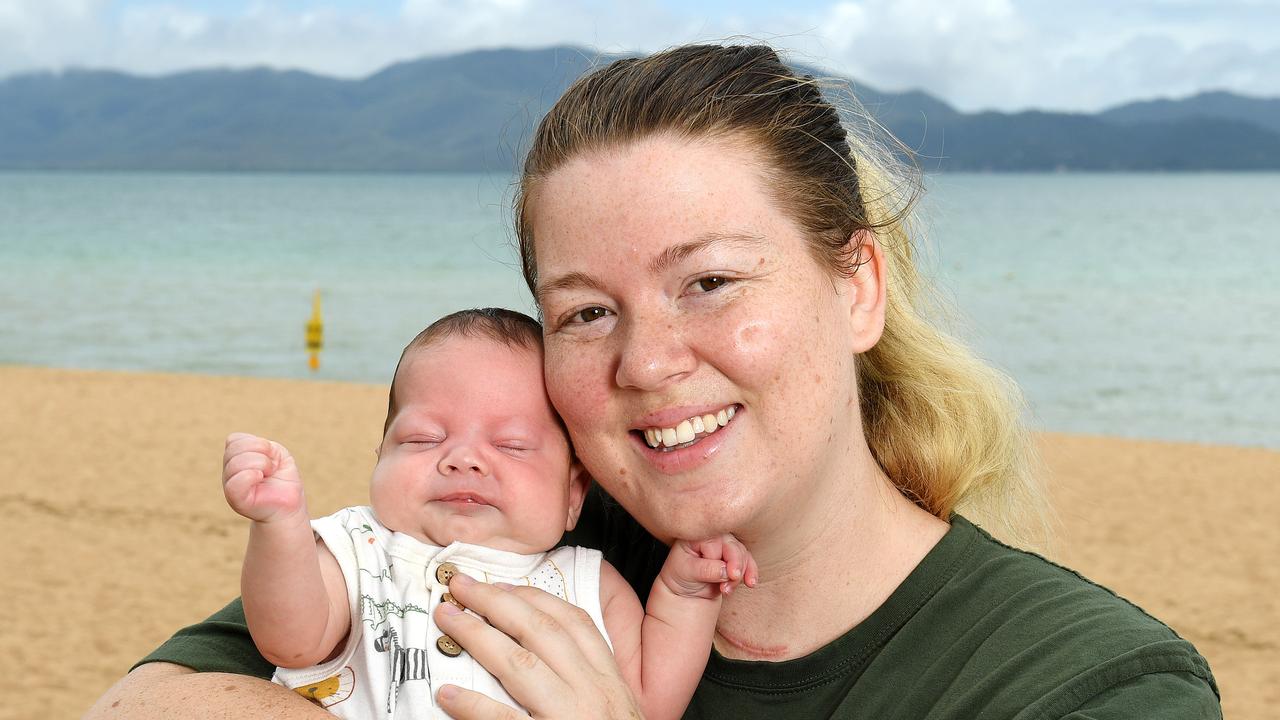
[653, 354]
[463, 457]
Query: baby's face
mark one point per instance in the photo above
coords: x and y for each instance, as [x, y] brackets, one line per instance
[475, 452]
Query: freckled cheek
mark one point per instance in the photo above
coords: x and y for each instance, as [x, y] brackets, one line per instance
[751, 350]
[578, 385]
[753, 336]
[778, 359]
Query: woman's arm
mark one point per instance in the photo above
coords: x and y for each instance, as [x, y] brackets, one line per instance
[163, 691]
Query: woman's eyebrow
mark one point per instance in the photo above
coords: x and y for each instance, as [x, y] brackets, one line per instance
[677, 253]
[568, 281]
[658, 265]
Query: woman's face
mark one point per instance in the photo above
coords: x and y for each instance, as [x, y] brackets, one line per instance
[674, 288]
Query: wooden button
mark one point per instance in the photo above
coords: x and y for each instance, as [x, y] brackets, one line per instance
[446, 645]
[445, 571]
[452, 601]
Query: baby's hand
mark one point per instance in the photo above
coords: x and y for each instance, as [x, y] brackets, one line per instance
[260, 479]
[709, 567]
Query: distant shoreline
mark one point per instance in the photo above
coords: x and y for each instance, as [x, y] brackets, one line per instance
[475, 111]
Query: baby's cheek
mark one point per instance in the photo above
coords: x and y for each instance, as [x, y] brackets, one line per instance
[387, 501]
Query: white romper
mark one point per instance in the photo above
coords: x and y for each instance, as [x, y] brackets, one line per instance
[395, 658]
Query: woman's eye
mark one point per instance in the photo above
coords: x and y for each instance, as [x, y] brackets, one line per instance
[710, 282]
[590, 314]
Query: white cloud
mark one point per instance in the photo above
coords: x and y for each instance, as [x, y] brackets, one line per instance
[997, 54]
[37, 34]
[952, 49]
[973, 53]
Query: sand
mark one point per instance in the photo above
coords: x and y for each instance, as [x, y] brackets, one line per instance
[120, 534]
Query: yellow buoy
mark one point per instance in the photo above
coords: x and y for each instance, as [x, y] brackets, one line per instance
[315, 333]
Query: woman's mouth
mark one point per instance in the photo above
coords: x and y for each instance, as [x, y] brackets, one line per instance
[687, 432]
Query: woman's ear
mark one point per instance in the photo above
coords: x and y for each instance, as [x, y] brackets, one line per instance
[868, 287]
[579, 481]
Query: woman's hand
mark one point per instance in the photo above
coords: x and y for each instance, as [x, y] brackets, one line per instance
[547, 653]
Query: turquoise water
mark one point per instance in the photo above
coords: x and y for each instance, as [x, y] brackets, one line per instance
[1125, 304]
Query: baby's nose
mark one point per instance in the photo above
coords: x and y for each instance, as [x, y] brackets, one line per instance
[463, 458]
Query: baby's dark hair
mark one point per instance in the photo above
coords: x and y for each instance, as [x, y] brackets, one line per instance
[506, 327]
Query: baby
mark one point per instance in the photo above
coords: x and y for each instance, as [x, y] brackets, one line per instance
[475, 475]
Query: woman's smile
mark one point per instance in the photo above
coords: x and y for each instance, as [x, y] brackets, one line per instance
[690, 444]
[688, 431]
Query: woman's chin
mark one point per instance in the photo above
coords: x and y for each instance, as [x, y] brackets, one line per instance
[696, 520]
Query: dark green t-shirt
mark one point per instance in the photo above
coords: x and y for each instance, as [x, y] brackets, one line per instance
[978, 630]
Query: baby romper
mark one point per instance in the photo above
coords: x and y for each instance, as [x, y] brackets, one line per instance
[395, 658]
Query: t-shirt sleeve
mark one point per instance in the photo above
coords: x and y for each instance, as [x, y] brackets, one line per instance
[221, 643]
[1166, 695]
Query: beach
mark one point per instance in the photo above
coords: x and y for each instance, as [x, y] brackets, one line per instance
[121, 534]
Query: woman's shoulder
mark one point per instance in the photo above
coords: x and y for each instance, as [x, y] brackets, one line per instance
[1033, 628]
[1022, 587]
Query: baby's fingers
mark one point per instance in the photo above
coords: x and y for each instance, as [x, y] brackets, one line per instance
[735, 557]
[706, 570]
[239, 442]
[253, 462]
[239, 488]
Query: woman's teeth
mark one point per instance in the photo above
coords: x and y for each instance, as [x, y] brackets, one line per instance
[688, 430]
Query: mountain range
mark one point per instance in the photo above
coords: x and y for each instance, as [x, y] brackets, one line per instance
[475, 111]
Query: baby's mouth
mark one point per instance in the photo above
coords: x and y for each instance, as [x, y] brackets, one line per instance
[465, 498]
[687, 432]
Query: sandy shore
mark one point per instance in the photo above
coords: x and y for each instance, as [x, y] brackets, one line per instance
[121, 534]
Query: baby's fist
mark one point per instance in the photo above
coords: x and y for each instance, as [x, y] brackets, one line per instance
[260, 478]
[710, 567]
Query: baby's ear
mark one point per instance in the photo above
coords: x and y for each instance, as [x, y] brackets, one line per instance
[579, 481]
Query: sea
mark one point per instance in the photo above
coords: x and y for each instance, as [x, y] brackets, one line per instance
[1135, 305]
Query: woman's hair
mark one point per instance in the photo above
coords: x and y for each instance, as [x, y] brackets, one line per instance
[505, 327]
[945, 426]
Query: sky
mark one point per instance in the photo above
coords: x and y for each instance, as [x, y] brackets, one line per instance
[1008, 55]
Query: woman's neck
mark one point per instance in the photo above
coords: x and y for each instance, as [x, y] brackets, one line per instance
[844, 553]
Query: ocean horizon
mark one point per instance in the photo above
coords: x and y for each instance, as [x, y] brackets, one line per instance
[1128, 304]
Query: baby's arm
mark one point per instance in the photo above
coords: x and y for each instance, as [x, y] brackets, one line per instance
[662, 649]
[295, 598]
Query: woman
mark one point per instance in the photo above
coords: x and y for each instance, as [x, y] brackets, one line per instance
[702, 234]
